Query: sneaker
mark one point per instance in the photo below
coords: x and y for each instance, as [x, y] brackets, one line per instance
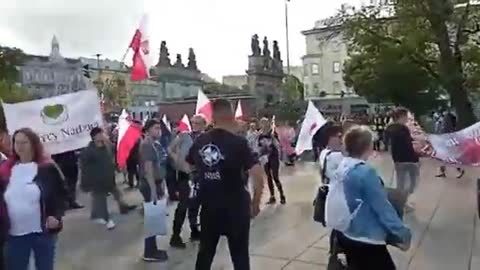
[100, 221]
[272, 200]
[195, 235]
[110, 225]
[283, 200]
[75, 205]
[461, 174]
[441, 175]
[158, 256]
[177, 242]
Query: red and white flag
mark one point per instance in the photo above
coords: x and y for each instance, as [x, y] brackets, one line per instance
[141, 52]
[128, 135]
[204, 106]
[239, 111]
[184, 124]
[314, 120]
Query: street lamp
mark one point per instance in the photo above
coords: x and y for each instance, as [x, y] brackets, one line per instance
[287, 36]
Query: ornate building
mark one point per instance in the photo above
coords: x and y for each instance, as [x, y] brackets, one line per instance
[46, 76]
[265, 72]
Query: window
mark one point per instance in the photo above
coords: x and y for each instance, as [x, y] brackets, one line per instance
[315, 86]
[306, 87]
[315, 69]
[336, 67]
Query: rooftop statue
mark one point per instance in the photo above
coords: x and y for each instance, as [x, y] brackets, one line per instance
[266, 50]
[164, 59]
[192, 60]
[276, 51]
[256, 51]
[179, 63]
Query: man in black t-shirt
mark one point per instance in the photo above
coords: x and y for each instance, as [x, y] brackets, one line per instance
[223, 162]
[404, 157]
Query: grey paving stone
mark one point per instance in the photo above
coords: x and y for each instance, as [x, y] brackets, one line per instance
[285, 237]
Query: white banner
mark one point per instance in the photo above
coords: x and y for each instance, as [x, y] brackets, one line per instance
[62, 122]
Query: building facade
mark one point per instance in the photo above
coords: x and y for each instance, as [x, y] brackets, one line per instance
[238, 81]
[47, 76]
[326, 51]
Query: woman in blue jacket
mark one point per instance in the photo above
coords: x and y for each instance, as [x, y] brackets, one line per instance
[374, 223]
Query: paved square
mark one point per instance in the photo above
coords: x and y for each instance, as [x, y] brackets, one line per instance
[445, 226]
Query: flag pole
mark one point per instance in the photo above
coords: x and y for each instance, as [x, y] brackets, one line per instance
[125, 55]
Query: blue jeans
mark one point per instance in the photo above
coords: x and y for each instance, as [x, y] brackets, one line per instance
[407, 176]
[19, 249]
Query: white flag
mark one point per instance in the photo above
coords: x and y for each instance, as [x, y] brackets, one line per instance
[314, 120]
[239, 111]
[166, 122]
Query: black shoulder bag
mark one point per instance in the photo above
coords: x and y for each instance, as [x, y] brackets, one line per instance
[321, 198]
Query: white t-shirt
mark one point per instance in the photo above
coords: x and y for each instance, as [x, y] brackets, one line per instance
[333, 160]
[23, 200]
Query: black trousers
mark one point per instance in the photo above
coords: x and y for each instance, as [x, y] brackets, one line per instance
[71, 183]
[316, 153]
[171, 178]
[272, 168]
[235, 226]
[362, 256]
[132, 173]
[185, 204]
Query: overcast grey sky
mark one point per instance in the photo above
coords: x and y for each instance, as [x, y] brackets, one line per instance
[218, 30]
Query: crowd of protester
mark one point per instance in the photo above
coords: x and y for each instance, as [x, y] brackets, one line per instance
[207, 171]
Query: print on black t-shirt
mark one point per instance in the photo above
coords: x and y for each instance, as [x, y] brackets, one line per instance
[221, 159]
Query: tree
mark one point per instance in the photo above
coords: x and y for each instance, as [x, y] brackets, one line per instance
[10, 59]
[115, 91]
[287, 110]
[421, 50]
[293, 88]
[11, 93]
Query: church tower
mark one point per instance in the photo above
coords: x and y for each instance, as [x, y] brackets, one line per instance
[55, 52]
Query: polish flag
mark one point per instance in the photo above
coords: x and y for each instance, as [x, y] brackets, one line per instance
[314, 120]
[204, 106]
[128, 135]
[166, 122]
[141, 50]
[184, 124]
[239, 111]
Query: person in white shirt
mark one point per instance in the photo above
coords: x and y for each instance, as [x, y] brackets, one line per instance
[330, 158]
[34, 200]
[331, 155]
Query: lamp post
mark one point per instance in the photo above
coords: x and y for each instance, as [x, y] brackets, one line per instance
[287, 36]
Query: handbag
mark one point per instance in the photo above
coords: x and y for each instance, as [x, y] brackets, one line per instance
[155, 218]
[321, 197]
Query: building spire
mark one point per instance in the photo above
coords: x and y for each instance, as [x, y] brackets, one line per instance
[55, 52]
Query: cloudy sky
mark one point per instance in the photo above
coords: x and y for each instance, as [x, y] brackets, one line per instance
[218, 30]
